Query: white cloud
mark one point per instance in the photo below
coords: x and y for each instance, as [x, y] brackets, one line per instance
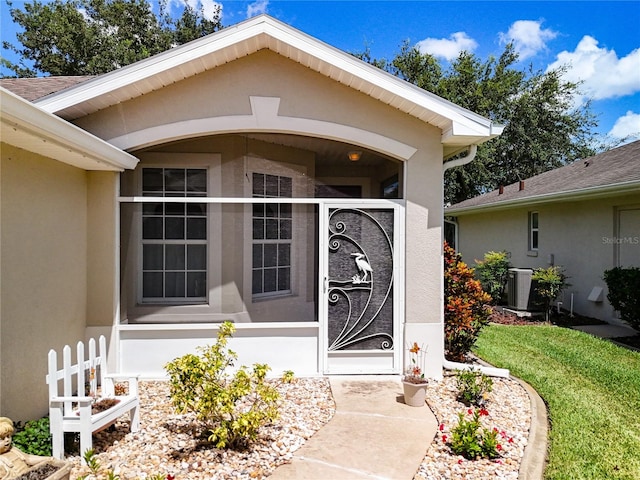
[209, 8]
[257, 7]
[627, 126]
[447, 48]
[528, 37]
[602, 73]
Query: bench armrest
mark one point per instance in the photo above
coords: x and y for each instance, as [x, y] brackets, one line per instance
[131, 379]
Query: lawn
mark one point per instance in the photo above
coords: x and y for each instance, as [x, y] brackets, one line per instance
[592, 391]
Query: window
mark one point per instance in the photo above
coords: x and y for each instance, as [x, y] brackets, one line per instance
[174, 237]
[272, 233]
[533, 230]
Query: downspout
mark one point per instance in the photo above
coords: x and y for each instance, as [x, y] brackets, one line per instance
[471, 154]
[448, 364]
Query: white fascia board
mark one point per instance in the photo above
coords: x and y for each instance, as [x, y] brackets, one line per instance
[591, 193]
[27, 120]
[462, 120]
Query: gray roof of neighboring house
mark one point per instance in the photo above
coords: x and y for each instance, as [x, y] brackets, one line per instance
[33, 88]
[613, 172]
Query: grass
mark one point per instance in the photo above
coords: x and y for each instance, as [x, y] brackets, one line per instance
[592, 391]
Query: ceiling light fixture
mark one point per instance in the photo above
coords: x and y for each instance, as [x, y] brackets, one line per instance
[354, 156]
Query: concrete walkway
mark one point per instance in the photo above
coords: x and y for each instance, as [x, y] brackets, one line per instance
[607, 330]
[373, 435]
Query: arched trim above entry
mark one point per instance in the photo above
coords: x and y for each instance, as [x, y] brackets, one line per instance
[264, 118]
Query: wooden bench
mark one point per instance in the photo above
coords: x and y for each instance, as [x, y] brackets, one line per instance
[69, 412]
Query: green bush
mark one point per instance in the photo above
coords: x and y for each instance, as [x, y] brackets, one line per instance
[549, 282]
[624, 293]
[493, 272]
[471, 440]
[231, 407]
[34, 438]
[473, 386]
[466, 307]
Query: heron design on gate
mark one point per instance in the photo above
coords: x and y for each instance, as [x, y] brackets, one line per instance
[358, 241]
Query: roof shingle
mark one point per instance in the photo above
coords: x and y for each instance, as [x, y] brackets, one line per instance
[619, 166]
[33, 88]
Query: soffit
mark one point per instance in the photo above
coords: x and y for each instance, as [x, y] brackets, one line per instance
[460, 127]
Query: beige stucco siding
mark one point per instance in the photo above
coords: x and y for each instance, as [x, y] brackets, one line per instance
[44, 273]
[102, 248]
[579, 236]
[226, 91]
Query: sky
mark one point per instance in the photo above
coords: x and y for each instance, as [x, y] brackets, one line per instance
[599, 41]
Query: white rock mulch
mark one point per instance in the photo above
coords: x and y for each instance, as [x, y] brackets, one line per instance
[509, 410]
[165, 443]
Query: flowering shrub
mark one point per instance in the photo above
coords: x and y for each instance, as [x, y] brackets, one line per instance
[472, 440]
[466, 308]
[415, 370]
[473, 386]
[231, 407]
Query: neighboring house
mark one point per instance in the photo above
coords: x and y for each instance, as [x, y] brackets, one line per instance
[584, 217]
[277, 182]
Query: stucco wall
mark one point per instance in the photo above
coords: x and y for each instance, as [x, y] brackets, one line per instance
[575, 235]
[304, 99]
[43, 270]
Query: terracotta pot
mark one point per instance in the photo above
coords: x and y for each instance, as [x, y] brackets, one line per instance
[414, 393]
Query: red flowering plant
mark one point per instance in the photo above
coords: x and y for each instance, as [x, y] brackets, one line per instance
[415, 371]
[472, 440]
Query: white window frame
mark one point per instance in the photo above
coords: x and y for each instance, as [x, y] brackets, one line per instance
[277, 242]
[534, 245]
[177, 300]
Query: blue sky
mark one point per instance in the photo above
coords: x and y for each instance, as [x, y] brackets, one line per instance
[599, 40]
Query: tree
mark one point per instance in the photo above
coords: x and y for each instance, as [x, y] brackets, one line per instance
[543, 128]
[91, 37]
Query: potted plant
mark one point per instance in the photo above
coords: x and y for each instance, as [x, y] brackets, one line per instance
[413, 382]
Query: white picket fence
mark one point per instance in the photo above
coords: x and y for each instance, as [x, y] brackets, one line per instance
[71, 412]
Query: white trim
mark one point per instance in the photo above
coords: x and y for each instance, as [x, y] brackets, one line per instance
[31, 128]
[264, 118]
[459, 126]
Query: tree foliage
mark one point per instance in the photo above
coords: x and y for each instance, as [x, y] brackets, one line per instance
[91, 37]
[466, 306]
[543, 127]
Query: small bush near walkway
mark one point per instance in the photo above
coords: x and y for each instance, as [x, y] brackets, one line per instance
[591, 388]
[466, 306]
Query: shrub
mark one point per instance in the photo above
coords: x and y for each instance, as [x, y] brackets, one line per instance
[231, 407]
[624, 293]
[473, 386]
[549, 282]
[34, 438]
[471, 440]
[466, 308]
[493, 273]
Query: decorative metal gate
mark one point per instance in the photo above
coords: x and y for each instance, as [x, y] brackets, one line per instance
[360, 289]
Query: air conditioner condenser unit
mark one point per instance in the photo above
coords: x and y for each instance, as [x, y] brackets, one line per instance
[520, 289]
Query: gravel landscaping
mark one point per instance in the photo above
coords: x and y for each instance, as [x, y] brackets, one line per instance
[166, 443]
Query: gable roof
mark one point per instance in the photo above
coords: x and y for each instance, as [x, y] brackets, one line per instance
[614, 172]
[24, 125]
[460, 127]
